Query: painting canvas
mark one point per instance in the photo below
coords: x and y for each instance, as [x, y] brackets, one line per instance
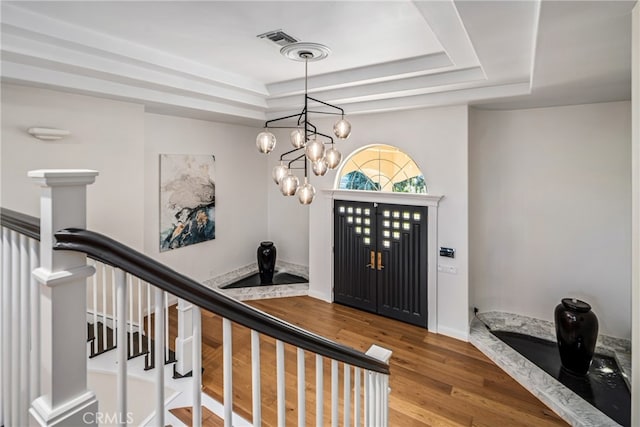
[187, 200]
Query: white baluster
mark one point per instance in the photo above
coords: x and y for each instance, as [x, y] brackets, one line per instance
[357, 373]
[130, 318]
[378, 400]
[166, 326]
[34, 257]
[280, 384]
[120, 323]
[7, 289]
[227, 363]
[103, 271]
[149, 311]
[94, 281]
[113, 306]
[319, 391]
[140, 321]
[301, 389]
[255, 378]
[334, 393]
[16, 330]
[385, 400]
[197, 367]
[25, 317]
[159, 355]
[367, 397]
[347, 394]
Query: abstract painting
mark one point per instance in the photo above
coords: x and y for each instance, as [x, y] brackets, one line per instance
[187, 200]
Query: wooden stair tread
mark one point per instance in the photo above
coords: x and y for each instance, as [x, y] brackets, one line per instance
[209, 419]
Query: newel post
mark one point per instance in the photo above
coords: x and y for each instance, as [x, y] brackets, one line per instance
[184, 339]
[64, 398]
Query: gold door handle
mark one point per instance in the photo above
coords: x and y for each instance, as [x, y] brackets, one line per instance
[372, 260]
[380, 266]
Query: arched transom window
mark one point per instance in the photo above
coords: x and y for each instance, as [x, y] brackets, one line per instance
[381, 168]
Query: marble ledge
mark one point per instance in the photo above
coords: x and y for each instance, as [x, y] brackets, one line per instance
[568, 405]
[261, 292]
[618, 348]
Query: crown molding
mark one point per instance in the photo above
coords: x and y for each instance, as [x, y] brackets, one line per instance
[41, 51]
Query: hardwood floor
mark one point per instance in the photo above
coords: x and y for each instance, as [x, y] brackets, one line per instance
[435, 380]
[209, 419]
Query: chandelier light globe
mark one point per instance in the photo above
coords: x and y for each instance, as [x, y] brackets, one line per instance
[342, 128]
[289, 184]
[279, 172]
[319, 167]
[315, 150]
[306, 193]
[333, 158]
[266, 142]
[297, 138]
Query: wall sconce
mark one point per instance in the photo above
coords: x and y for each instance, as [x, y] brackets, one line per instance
[48, 134]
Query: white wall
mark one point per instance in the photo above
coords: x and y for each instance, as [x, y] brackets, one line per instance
[241, 200]
[436, 139]
[550, 206]
[123, 143]
[105, 135]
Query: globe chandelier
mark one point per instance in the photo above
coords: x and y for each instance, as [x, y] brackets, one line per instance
[309, 145]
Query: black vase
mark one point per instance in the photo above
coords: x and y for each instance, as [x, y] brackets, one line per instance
[577, 333]
[266, 262]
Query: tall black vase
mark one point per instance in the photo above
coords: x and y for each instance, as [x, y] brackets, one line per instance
[266, 262]
[577, 333]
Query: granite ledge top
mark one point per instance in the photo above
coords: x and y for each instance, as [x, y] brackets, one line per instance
[618, 348]
[260, 292]
[571, 407]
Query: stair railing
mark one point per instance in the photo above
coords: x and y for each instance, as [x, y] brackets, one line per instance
[62, 276]
[19, 319]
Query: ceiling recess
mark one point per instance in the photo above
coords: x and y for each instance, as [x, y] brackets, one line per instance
[279, 37]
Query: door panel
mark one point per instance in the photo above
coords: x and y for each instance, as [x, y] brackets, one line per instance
[402, 275]
[354, 243]
[380, 259]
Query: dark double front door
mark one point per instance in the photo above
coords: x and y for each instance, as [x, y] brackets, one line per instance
[380, 259]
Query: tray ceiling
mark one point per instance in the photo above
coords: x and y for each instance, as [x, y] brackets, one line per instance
[203, 59]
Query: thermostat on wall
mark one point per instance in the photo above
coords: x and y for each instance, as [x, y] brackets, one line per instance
[447, 252]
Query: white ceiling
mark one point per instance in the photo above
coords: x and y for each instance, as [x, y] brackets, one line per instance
[203, 59]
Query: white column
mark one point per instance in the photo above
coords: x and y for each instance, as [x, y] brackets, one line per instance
[184, 340]
[64, 398]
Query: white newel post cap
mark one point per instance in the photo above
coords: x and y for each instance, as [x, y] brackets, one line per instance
[63, 177]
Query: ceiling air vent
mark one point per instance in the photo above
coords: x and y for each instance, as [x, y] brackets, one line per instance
[279, 37]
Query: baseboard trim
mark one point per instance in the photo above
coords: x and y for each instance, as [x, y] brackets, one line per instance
[323, 296]
[454, 333]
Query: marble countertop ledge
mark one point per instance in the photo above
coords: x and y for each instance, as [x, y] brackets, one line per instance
[567, 404]
[618, 348]
[260, 292]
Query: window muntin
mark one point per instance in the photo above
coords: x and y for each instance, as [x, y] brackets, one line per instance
[381, 168]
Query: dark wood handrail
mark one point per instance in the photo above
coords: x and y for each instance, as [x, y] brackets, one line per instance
[111, 252]
[22, 223]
